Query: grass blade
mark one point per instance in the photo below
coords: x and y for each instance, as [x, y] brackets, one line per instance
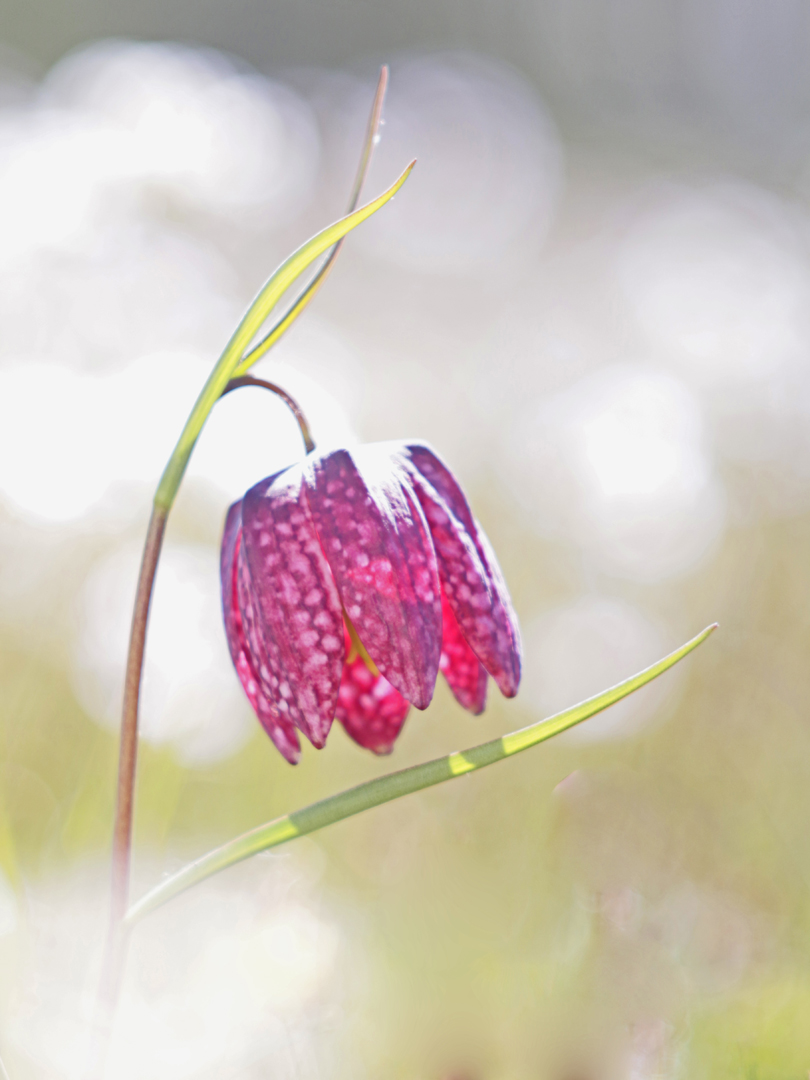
[251, 323]
[395, 785]
[308, 295]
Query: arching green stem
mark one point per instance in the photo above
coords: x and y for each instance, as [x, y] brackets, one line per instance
[235, 356]
[219, 378]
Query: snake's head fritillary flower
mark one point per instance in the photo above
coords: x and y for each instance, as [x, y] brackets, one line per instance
[349, 581]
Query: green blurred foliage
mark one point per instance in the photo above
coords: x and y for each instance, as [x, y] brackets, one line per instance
[511, 928]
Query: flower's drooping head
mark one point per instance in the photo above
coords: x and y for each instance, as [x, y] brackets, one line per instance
[348, 582]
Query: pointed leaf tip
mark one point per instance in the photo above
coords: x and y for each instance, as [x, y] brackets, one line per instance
[395, 785]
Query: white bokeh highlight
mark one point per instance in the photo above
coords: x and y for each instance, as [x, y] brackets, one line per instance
[240, 971]
[580, 649]
[70, 439]
[489, 166]
[191, 698]
[193, 127]
[619, 464]
[55, 170]
[718, 278]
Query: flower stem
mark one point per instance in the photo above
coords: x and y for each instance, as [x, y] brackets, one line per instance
[395, 785]
[237, 355]
[128, 751]
[224, 371]
[288, 399]
[115, 949]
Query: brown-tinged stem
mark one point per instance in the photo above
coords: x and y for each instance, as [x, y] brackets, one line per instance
[235, 360]
[117, 934]
[128, 752]
[122, 837]
[288, 399]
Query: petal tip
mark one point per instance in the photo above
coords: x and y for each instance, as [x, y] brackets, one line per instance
[422, 701]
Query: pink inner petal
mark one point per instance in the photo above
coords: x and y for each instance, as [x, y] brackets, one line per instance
[369, 708]
[465, 674]
[376, 540]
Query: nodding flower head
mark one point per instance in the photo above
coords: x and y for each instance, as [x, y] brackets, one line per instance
[349, 581]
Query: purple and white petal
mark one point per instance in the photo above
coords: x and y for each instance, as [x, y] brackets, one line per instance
[281, 731]
[376, 540]
[292, 611]
[469, 571]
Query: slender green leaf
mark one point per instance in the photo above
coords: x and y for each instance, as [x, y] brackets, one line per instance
[247, 329]
[395, 785]
[308, 295]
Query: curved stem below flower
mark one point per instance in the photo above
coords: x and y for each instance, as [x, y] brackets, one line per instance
[288, 399]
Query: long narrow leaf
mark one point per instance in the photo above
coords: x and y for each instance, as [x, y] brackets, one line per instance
[395, 785]
[309, 293]
[251, 323]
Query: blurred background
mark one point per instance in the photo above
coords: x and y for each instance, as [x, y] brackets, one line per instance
[593, 297]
